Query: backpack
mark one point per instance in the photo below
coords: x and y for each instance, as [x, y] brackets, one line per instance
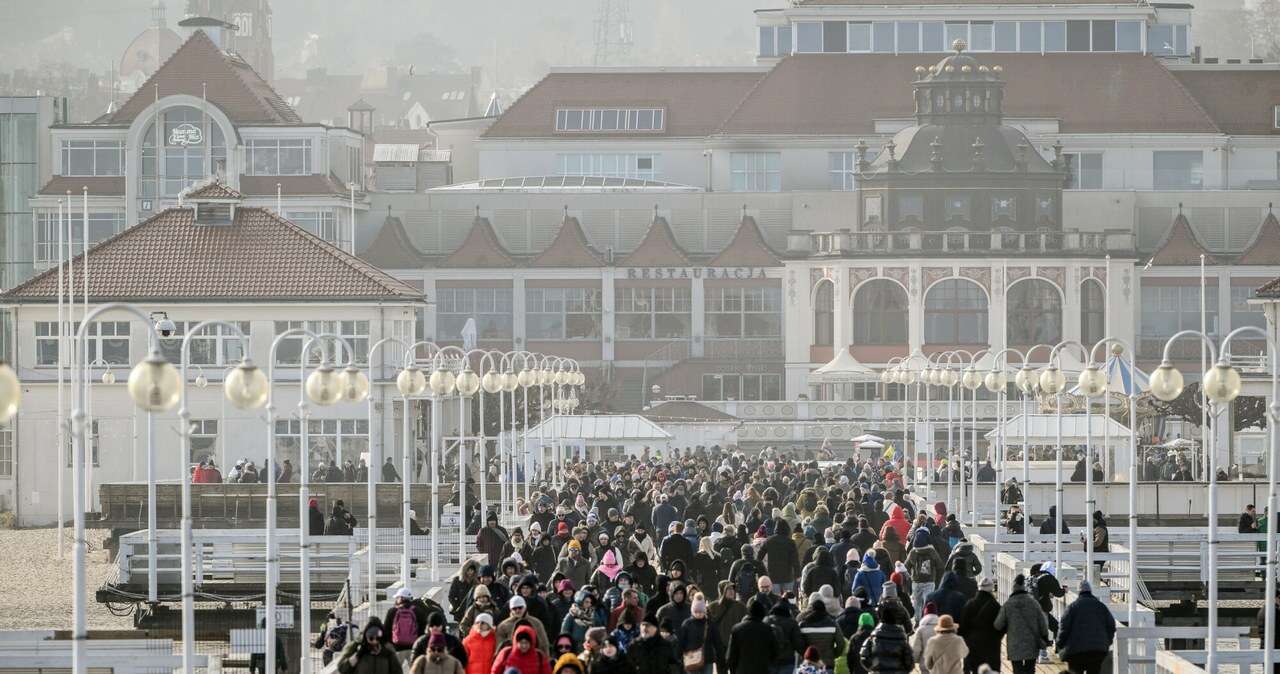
[404, 629]
[746, 581]
[926, 569]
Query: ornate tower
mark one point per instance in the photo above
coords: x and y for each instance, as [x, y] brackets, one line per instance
[252, 39]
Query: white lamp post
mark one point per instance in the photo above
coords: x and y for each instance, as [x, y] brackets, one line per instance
[411, 382]
[467, 384]
[350, 392]
[154, 386]
[441, 384]
[971, 379]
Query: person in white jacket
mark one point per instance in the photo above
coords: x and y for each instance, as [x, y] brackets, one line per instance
[924, 632]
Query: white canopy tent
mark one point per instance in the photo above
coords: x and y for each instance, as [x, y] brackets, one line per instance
[1042, 429]
[599, 436]
[843, 369]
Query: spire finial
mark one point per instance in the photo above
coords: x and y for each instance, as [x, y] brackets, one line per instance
[1179, 208]
[959, 45]
[477, 210]
[566, 211]
[1268, 208]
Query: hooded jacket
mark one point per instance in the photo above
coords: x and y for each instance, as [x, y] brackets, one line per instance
[752, 644]
[786, 632]
[920, 639]
[948, 597]
[977, 628]
[533, 661]
[898, 521]
[675, 547]
[945, 654]
[480, 651]
[384, 662]
[821, 571]
[820, 630]
[886, 651]
[871, 578]
[923, 563]
[652, 655]
[779, 555]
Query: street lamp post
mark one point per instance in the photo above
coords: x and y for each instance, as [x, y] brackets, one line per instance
[154, 386]
[971, 379]
[1053, 381]
[246, 388]
[375, 463]
[441, 383]
[412, 381]
[997, 381]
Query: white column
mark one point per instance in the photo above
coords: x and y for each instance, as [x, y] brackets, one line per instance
[1071, 304]
[915, 314]
[842, 332]
[518, 333]
[698, 314]
[607, 323]
[797, 329]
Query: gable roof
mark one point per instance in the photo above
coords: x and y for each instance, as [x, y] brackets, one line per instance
[746, 248]
[1269, 290]
[258, 257]
[230, 83]
[481, 248]
[658, 248]
[1240, 101]
[1180, 245]
[392, 248]
[695, 102]
[570, 248]
[1265, 248]
[214, 189]
[827, 94]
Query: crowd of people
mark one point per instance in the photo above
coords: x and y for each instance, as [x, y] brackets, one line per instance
[744, 565]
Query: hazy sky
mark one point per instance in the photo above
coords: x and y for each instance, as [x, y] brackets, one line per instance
[514, 40]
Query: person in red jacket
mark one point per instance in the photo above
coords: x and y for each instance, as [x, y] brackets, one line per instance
[481, 645]
[524, 656]
[898, 521]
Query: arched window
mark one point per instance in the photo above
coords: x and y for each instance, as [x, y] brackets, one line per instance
[1034, 313]
[824, 309]
[955, 312]
[880, 313]
[182, 139]
[1093, 315]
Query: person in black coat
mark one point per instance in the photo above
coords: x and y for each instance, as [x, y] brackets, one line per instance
[977, 627]
[780, 559]
[752, 646]
[948, 597]
[697, 632]
[675, 547]
[315, 518]
[865, 537]
[887, 651]
[650, 653]
[788, 634]
[1047, 526]
[1087, 630]
[821, 571]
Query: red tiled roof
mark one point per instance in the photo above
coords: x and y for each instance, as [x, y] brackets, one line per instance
[314, 184]
[1181, 246]
[746, 248]
[481, 248]
[658, 248]
[1265, 248]
[843, 94]
[110, 186]
[695, 103]
[392, 248]
[229, 83]
[1240, 101]
[213, 190]
[1270, 290]
[258, 257]
[570, 248]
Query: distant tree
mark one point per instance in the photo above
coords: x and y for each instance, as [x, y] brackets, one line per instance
[1247, 411]
[1264, 28]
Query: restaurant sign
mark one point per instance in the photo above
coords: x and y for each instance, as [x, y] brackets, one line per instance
[684, 273]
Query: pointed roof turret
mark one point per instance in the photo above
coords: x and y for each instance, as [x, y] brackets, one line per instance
[1181, 246]
[481, 248]
[658, 248]
[747, 248]
[1265, 248]
[392, 248]
[494, 108]
[570, 248]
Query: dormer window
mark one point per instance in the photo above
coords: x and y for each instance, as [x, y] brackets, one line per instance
[213, 213]
[610, 120]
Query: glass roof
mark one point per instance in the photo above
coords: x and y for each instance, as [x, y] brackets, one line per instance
[566, 183]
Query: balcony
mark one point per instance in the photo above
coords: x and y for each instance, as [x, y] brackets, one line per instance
[959, 242]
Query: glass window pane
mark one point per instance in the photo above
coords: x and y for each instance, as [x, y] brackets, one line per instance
[1029, 36]
[980, 33]
[1177, 169]
[956, 31]
[1055, 36]
[833, 36]
[784, 40]
[859, 37]
[766, 41]
[808, 37]
[1077, 36]
[932, 36]
[1104, 36]
[908, 36]
[1006, 36]
[1128, 36]
[1160, 39]
[1180, 40]
[883, 35]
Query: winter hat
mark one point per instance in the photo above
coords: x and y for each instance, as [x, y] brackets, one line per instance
[895, 578]
[310, 504]
[853, 555]
[436, 619]
[485, 618]
[404, 593]
[811, 653]
[1085, 586]
[945, 624]
[574, 545]
[481, 591]
[930, 608]
[436, 640]
[562, 528]
[516, 602]
[853, 602]
[698, 606]
[866, 620]
[1019, 581]
[565, 584]
[535, 527]
[988, 584]
[889, 591]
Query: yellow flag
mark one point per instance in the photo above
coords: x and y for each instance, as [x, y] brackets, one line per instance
[888, 452]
